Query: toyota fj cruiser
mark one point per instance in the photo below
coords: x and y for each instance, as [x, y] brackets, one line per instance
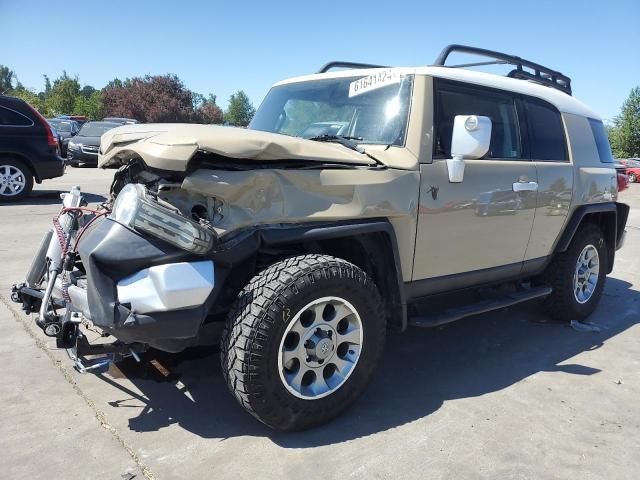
[353, 199]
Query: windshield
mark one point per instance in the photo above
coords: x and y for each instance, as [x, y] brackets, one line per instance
[94, 129]
[374, 109]
[61, 126]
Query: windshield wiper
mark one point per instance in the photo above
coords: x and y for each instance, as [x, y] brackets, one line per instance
[344, 140]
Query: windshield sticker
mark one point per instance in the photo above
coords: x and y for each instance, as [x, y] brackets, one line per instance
[372, 82]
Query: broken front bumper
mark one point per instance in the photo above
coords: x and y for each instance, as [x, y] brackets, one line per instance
[134, 287]
[142, 290]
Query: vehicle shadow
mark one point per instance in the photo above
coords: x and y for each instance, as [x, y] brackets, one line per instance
[48, 197]
[418, 372]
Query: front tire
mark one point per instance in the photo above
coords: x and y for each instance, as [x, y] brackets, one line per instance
[633, 178]
[302, 340]
[577, 276]
[16, 180]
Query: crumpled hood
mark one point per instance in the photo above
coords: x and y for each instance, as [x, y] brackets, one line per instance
[171, 146]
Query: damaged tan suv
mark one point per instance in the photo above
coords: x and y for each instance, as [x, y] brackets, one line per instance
[354, 198]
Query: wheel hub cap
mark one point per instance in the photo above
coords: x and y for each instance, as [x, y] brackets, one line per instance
[13, 180]
[320, 348]
[585, 278]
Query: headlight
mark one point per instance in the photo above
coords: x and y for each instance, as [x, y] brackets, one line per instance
[73, 145]
[135, 209]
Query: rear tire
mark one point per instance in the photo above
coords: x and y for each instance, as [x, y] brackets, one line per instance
[632, 178]
[577, 287]
[267, 323]
[16, 180]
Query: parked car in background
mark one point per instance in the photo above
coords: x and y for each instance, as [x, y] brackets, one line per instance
[621, 173]
[83, 148]
[28, 149]
[58, 138]
[121, 120]
[66, 130]
[632, 169]
[81, 119]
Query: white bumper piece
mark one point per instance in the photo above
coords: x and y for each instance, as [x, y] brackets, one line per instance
[162, 288]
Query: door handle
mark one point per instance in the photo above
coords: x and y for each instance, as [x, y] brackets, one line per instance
[525, 187]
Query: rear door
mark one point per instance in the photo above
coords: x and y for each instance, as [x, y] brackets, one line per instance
[477, 230]
[548, 150]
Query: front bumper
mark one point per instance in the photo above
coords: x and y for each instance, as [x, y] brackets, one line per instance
[77, 155]
[142, 290]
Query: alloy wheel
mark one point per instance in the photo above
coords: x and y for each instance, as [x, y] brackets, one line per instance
[12, 181]
[587, 272]
[320, 348]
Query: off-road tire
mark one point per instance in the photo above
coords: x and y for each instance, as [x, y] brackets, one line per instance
[250, 345]
[28, 176]
[562, 304]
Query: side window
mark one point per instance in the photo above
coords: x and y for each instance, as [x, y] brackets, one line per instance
[9, 118]
[602, 141]
[452, 100]
[546, 132]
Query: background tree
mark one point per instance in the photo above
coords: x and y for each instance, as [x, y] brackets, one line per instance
[30, 97]
[6, 79]
[159, 98]
[624, 134]
[206, 109]
[61, 99]
[91, 105]
[240, 110]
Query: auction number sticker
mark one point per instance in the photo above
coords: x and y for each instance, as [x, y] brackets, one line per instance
[372, 82]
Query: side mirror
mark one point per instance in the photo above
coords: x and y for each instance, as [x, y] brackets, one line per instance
[471, 139]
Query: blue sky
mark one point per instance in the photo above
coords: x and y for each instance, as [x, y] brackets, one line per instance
[219, 47]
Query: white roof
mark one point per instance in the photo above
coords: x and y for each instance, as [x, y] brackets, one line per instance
[563, 102]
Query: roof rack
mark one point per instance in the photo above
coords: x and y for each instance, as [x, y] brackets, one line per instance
[542, 75]
[331, 65]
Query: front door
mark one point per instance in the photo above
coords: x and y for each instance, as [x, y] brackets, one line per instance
[477, 230]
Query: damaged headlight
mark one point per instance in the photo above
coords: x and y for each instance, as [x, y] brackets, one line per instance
[136, 209]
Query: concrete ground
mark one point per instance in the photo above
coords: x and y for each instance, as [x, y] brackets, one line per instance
[502, 395]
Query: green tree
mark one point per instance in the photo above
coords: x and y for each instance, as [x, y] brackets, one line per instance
[30, 97]
[61, 100]
[624, 134]
[91, 106]
[240, 110]
[6, 79]
[47, 84]
[87, 91]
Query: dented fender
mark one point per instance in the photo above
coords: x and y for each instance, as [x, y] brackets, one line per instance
[288, 196]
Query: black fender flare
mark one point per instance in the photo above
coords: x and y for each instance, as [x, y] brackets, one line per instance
[390, 265]
[615, 214]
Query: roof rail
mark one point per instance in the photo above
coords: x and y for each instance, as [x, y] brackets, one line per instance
[542, 75]
[331, 65]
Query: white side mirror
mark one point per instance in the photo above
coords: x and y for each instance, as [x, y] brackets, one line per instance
[471, 138]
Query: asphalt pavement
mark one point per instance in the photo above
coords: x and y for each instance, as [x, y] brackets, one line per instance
[505, 395]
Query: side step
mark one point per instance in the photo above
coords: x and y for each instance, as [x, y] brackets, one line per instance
[453, 314]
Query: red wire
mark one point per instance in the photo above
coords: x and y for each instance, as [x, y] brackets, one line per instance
[82, 209]
[98, 215]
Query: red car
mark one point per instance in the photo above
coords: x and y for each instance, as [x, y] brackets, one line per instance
[633, 169]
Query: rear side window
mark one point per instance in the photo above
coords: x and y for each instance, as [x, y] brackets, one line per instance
[602, 142]
[9, 118]
[546, 133]
[452, 100]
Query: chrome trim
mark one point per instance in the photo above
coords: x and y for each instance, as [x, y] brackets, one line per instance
[525, 187]
[87, 149]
